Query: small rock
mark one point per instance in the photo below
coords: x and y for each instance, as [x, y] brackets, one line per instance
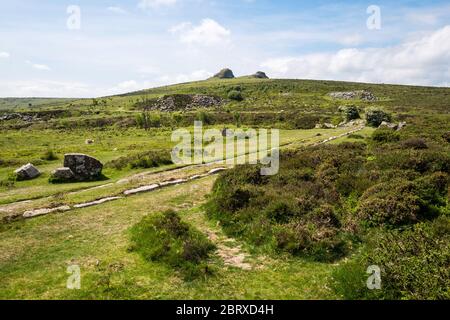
[260, 75]
[141, 189]
[27, 172]
[89, 141]
[63, 174]
[401, 125]
[388, 125]
[329, 126]
[40, 212]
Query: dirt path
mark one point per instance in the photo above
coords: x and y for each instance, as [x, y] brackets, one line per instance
[230, 252]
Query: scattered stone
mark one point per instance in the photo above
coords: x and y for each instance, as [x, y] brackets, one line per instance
[325, 126]
[63, 174]
[401, 125]
[392, 126]
[260, 75]
[180, 102]
[83, 166]
[40, 212]
[216, 170]
[198, 176]
[27, 172]
[350, 95]
[172, 182]
[227, 132]
[94, 203]
[21, 116]
[141, 189]
[388, 125]
[224, 74]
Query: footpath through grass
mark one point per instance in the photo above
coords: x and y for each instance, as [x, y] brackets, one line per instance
[36, 253]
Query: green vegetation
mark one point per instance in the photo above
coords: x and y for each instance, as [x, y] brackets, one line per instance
[235, 95]
[376, 116]
[165, 238]
[373, 197]
[325, 201]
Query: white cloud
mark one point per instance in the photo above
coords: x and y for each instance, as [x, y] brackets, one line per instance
[208, 32]
[423, 61]
[154, 4]
[37, 66]
[4, 55]
[133, 85]
[118, 10]
[42, 67]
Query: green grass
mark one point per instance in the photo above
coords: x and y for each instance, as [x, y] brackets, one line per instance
[36, 252]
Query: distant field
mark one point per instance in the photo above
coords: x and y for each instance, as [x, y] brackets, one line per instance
[31, 103]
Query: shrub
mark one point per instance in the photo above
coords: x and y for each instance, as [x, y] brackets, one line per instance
[205, 117]
[401, 202]
[414, 143]
[305, 122]
[164, 238]
[385, 135]
[375, 117]
[350, 112]
[414, 265]
[235, 95]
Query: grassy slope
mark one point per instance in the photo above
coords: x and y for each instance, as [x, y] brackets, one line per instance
[35, 253]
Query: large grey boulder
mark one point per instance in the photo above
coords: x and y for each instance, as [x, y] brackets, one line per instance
[84, 167]
[260, 75]
[27, 172]
[63, 174]
[224, 74]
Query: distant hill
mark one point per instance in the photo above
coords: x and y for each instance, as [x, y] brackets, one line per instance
[21, 103]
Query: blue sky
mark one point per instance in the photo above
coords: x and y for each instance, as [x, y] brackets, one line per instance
[134, 44]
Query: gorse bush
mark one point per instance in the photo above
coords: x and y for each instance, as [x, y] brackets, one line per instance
[165, 238]
[414, 264]
[350, 112]
[400, 201]
[385, 135]
[235, 95]
[375, 117]
[325, 198]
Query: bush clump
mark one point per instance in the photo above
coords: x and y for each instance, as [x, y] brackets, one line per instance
[400, 202]
[235, 95]
[350, 112]
[413, 263]
[375, 117]
[165, 238]
[385, 136]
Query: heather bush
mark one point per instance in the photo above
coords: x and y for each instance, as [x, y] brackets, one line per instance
[165, 238]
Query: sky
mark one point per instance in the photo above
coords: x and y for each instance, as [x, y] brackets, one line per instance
[90, 48]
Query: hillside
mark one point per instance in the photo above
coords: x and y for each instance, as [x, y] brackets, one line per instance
[346, 191]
